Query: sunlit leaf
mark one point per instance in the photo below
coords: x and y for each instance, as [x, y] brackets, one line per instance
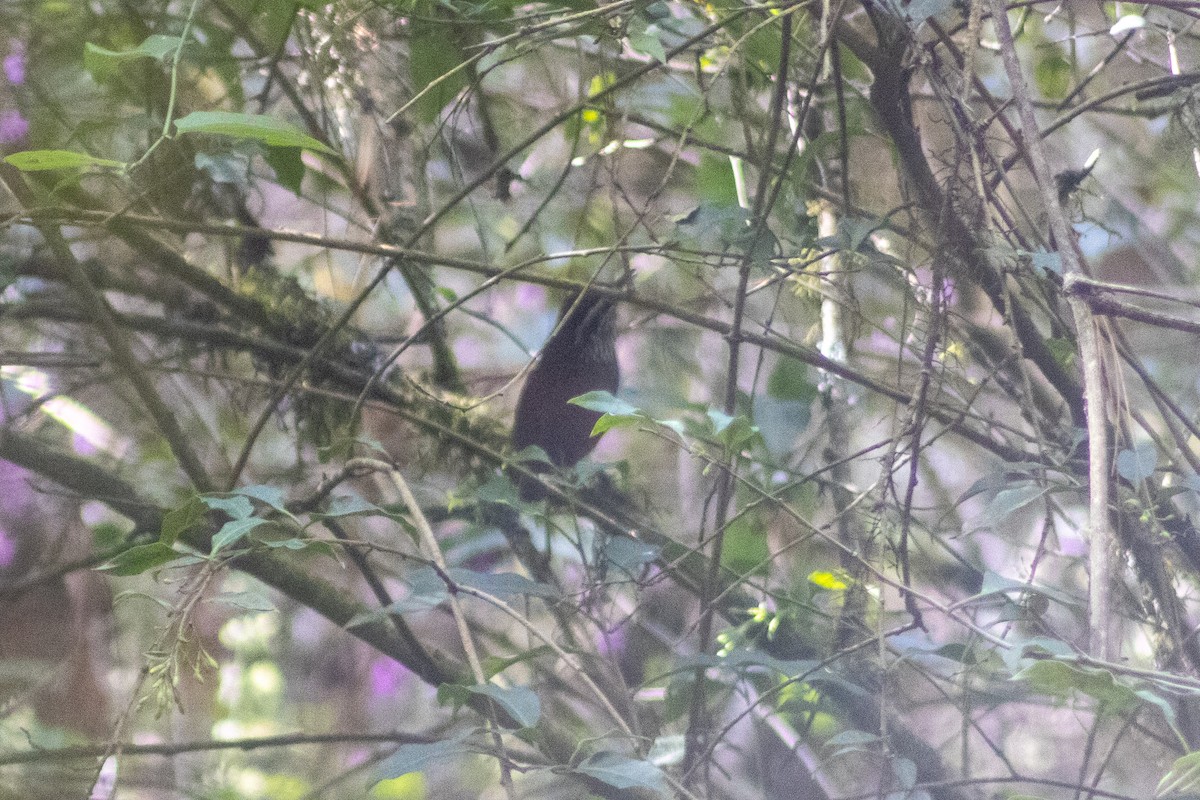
[270, 131]
[40, 160]
[828, 580]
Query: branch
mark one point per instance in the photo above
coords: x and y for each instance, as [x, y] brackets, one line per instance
[1103, 538]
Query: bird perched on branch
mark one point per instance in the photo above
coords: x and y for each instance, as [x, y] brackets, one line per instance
[579, 357]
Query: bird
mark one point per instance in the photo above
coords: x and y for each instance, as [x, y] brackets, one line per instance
[579, 357]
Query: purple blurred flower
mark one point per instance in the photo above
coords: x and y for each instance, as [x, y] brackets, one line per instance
[13, 126]
[82, 446]
[469, 352]
[612, 643]
[388, 677]
[14, 68]
[531, 296]
[8, 549]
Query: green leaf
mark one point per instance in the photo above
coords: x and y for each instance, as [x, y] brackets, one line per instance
[41, 160]
[646, 39]
[519, 702]
[234, 531]
[292, 544]
[1008, 501]
[103, 63]
[137, 560]
[854, 231]
[622, 772]
[628, 555]
[494, 665]
[605, 403]
[179, 521]
[348, 505]
[1052, 74]
[668, 750]
[288, 167]
[418, 601]
[502, 585]
[416, 757]
[1063, 351]
[616, 412]
[365, 618]
[271, 496]
[1138, 464]
[1182, 778]
[252, 127]
[732, 432]
[995, 584]
[962, 653]
[738, 660]
[1059, 679]
[829, 581]
[434, 52]
[151, 47]
[235, 505]
[499, 489]
[745, 549]
[247, 601]
[717, 191]
[789, 381]
[454, 695]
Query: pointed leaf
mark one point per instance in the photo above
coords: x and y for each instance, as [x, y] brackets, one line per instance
[40, 160]
[1138, 464]
[236, 505]
[622, 772]
[142, 558]
[252, 127]
[271, 496]
[519, 702]
[234, 531]
[416, 757]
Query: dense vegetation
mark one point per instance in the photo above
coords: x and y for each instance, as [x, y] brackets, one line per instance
[895, 498]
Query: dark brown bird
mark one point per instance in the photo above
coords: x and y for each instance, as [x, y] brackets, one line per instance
[579, 357]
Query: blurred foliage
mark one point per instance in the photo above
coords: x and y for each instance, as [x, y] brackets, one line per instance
[271, 272]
